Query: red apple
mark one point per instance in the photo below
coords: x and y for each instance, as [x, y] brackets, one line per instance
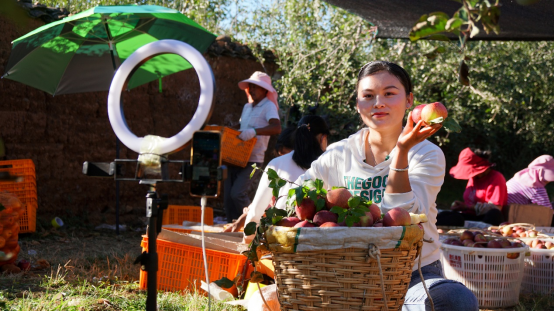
[288, 221]
[494, 244]
[456, 242]
[329, 224]
[375, 212]
[325, 216]
[416, 112]
[466, 235]
[366, 220]
[505, 243]
[306, 210]
[304, 223]
[397, 217]
[532, 233]
[468, 242]
[338, 197]
[433, 111]
[478, 238]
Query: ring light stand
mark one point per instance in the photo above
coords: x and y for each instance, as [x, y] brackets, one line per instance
[154, 204]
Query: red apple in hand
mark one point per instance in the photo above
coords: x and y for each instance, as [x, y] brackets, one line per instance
[433, 111]
[416, 112]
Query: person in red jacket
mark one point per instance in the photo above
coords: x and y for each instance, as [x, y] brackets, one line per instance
[485, 194]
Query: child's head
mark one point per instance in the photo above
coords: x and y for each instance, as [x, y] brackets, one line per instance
[384, 93]
[310, 140]
[285, 141]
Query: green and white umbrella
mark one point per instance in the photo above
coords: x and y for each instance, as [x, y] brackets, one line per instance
[80, 53]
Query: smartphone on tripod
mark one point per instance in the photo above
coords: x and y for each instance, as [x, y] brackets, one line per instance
[205, 160]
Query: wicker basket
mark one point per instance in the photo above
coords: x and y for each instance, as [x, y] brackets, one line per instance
[234, 151]
[344, 279]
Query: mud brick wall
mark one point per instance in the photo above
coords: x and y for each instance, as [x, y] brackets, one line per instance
[60, 132]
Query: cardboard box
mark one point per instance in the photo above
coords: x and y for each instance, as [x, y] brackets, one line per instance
[533, 214]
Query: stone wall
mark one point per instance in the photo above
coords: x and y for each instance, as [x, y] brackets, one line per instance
[60, 133]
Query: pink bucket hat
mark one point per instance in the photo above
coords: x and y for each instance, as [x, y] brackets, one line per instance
[263, 80]
[539, 172]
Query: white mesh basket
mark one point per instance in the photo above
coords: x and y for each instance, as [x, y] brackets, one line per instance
[494, 278]
[538, 276]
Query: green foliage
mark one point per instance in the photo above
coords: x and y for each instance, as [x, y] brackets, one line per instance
[209, 14]
[319, 50]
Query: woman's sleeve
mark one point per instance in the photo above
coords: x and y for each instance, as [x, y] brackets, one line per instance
[261, 200]
[541, 198]
[497, 192]
[426, 176]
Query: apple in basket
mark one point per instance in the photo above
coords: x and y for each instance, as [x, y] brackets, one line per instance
[306, 209]
[304, 223]
[375, 212]
[338, 197]
[325, 216]
[329, 224]
[367, 219]
[397, 217]
[467, 235]
[288, 221]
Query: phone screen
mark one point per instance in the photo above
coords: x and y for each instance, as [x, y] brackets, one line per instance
[205, 159]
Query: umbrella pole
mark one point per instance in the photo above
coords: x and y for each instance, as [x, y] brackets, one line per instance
[110, 43]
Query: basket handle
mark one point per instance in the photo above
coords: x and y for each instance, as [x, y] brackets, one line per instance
[374, 252]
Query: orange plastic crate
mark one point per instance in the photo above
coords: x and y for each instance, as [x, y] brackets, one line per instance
[234, 151]
[28, 220]
[181, 267]
[175, 214]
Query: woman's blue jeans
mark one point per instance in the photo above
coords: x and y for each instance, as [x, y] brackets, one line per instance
[447, 295]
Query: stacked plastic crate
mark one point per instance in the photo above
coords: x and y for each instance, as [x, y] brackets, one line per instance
[25, 190]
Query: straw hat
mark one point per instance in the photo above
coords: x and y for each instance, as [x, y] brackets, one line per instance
[263, 80]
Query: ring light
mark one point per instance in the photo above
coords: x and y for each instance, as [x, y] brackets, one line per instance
[135, 60]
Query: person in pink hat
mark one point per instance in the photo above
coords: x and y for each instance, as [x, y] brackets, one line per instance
[485, 193]
[260, 119]
[528, 185]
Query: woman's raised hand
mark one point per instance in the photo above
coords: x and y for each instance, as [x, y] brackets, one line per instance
[412, 135]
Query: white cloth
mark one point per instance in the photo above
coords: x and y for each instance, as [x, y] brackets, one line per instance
[247, 134]
[343, 165]
[286, 169]
[258, 117]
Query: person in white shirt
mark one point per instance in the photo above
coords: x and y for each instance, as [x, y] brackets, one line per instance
[260, 119]
[395, 166]
[310, 141]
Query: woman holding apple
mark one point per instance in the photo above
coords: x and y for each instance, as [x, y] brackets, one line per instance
[395, 166]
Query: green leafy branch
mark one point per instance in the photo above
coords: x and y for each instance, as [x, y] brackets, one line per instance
[309, 189]
[463, 24]
[357, 207]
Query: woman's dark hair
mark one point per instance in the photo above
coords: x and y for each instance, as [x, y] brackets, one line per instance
[393, 69]
[485, 154]
[285, 139]
[306, 146]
